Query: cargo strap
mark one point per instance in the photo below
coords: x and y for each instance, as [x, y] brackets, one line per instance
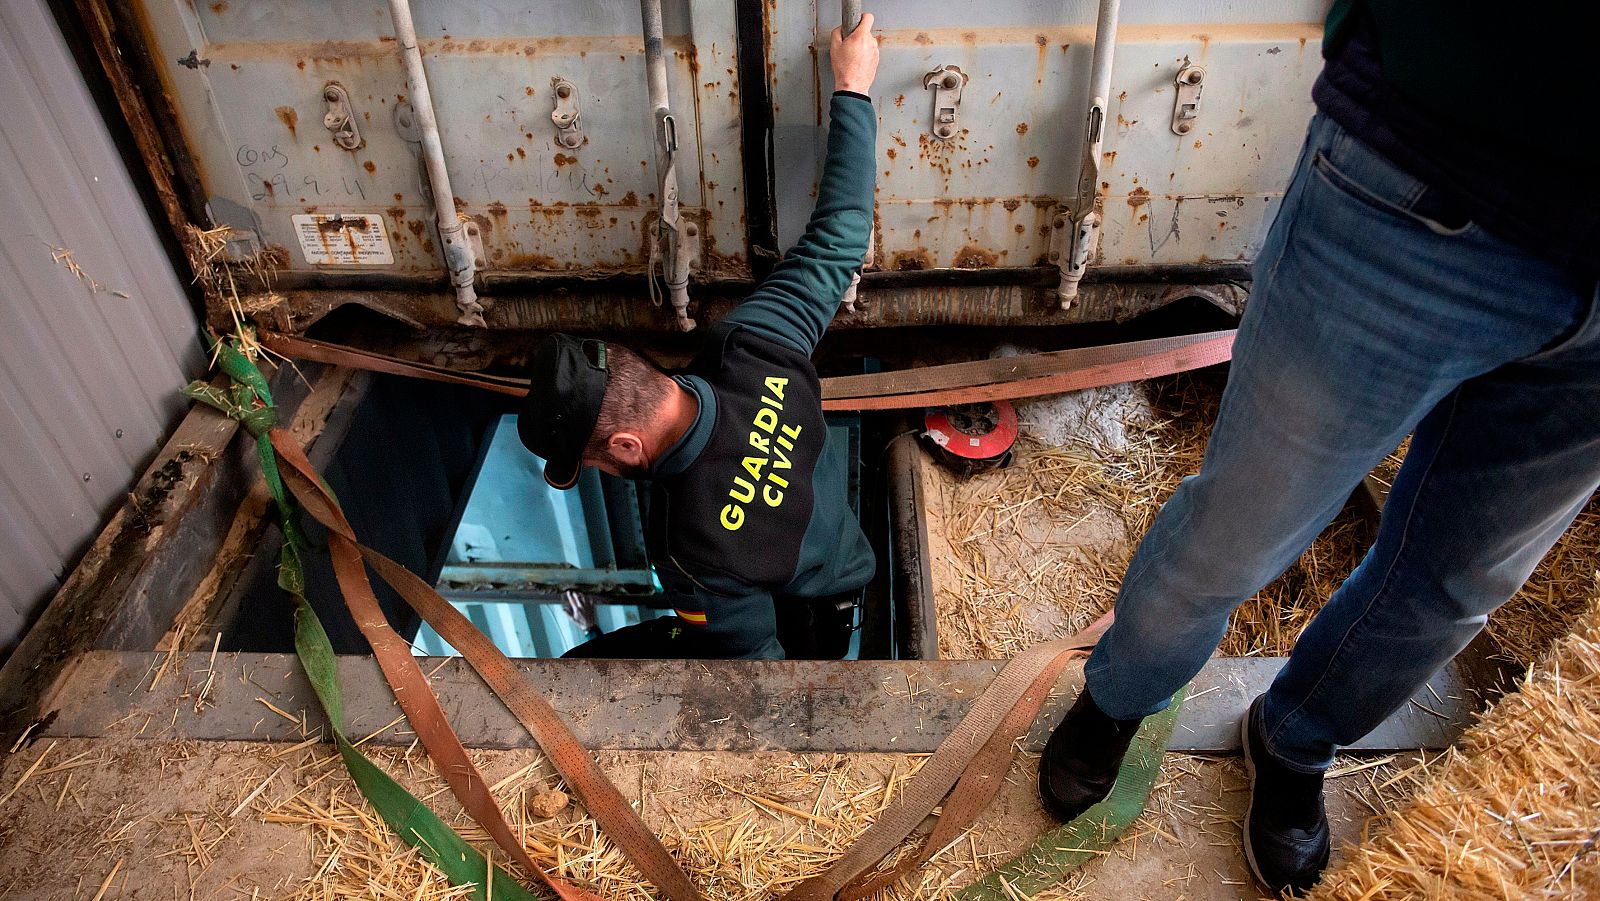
[973, 759]
[1005, 378]
[965, 772]
[250, 401]
[1051, 860]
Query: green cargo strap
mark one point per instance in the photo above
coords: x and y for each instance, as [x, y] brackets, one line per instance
[250, 401]
[1058, 852]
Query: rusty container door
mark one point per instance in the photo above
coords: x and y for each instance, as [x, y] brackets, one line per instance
[1184, 192]
[263, 89]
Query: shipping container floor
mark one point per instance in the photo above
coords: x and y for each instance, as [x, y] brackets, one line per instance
[119, 818]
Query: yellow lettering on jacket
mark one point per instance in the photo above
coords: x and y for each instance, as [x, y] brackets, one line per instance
[769, 438]
[766, 419]
[754, 465]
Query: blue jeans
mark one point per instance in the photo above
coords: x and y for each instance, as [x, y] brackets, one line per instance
[1368, 322]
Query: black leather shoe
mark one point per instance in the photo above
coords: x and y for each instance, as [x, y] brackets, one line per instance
[1286, 829]
[1081, 759]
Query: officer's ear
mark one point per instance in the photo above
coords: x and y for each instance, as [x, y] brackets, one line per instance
[628, 448]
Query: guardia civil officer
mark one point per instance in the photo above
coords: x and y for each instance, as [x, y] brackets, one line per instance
[745, 513]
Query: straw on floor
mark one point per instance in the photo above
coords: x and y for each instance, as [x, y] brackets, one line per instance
[1514, 810]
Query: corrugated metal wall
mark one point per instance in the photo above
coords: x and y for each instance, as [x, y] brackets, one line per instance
[96, 336]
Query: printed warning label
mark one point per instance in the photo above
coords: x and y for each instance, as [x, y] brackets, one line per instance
[343, 239]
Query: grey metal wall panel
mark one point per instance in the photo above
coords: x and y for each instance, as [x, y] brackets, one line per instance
[96, 335]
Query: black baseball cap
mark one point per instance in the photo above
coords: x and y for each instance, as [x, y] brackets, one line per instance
[567, 381]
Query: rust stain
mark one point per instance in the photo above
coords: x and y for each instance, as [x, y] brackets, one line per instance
[975, 257]
[911, 260]
[397, 213]
[563, 160]
[417, 227]
[497, 210]
[1011, 204]
[1198, 145]
[530, 261]
[1018, 228]
[528, 90]
[1033, 162]
[220, 7]
[290, 119]
[522, 154]
[629, 199]
[370, 166]
[1138, 197]
[899, 100]
[891, 153]
[922, 38]
[1022, 128]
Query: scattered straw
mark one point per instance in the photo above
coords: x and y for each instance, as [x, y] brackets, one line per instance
[221, 276]
[1038, 550]
[1513, 811]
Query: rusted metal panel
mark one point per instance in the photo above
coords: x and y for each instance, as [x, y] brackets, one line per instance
[986, 196]
[249, 80]
[249, 84]
[515, 314]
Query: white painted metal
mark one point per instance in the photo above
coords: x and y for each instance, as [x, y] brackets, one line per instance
[674, 246]
[90, 361]
[459, 259]
[252, 114]
[1085, 218]
[988, 197]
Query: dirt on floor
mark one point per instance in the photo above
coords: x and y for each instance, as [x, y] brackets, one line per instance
[130, 818]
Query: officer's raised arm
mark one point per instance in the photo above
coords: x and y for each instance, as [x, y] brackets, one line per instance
[798, 299]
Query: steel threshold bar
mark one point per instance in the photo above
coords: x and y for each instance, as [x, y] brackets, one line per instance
[733, 705]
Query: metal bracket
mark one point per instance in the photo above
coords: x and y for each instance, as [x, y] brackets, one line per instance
[946, 83]
[1189, 81]
[1071, 243]
[340, 117]
[475, 244]
[569, 128]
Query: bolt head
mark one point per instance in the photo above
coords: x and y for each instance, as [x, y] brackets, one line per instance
[951, 80]
[330, 95]
[564, 91]
[1193, 76]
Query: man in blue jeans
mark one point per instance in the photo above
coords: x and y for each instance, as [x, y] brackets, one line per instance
[1432, 272]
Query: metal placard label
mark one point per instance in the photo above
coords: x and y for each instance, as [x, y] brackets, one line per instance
[343, 239]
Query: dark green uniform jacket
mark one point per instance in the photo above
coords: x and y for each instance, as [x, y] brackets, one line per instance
[743, 517]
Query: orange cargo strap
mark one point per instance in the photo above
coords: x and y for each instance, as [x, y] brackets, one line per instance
[973, 758]
[1005, 378]
[966, 770]
[411, 689]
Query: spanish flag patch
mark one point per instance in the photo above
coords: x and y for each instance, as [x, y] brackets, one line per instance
[690, 616]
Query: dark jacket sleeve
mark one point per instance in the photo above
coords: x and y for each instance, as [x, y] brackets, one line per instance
[797, 301]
